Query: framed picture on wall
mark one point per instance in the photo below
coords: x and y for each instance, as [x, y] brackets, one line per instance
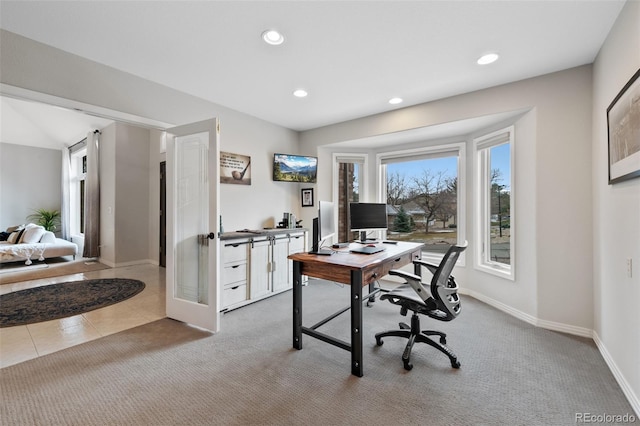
[623, 126]
[235, 168]
[307, 197]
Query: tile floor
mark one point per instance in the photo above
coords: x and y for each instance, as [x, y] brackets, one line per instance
[21, 343]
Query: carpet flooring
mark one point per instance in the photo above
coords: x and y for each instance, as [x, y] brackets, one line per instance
[63, 300]
[167, 373]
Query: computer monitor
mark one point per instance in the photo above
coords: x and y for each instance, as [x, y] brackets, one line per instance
[366, 217]
[323, 227]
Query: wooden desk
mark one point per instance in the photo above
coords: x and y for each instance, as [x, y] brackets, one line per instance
[357, 270]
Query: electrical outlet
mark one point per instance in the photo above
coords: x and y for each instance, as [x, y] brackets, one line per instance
[629, 268]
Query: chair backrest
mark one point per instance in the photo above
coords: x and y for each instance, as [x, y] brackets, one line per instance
[444, 288]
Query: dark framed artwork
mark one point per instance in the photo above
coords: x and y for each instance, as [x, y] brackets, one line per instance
[623, 127]
[307, 197]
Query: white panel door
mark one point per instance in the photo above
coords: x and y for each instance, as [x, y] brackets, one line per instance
[193, 158]
[279, 264]
[260, 274]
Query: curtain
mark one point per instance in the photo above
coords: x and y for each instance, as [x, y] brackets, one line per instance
[92, 197]
[66, 199]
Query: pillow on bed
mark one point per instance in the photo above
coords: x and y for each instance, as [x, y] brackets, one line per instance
[15, 236]
[15, 228]
[32, 234]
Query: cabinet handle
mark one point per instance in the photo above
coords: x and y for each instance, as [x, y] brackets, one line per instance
[234, 288]
[235, 266]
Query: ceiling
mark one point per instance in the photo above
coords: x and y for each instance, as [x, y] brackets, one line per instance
[350, 56]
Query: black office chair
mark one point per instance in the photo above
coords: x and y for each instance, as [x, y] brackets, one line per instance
[442, 304]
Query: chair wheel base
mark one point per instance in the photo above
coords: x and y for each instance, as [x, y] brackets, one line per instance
[455, 364]
[408, 366]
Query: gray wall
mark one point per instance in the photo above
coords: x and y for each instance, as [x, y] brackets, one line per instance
[124, 195]
[30, 178]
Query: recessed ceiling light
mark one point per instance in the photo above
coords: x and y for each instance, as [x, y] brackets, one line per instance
[488, 58]
[272, 37]
[300, 93]
[395, 101]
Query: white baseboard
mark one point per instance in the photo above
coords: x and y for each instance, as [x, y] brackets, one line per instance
[569, 329]
[549, 325]
[624, 385]
[132, 263]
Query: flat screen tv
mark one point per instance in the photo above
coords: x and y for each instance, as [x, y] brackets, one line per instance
[294, 168]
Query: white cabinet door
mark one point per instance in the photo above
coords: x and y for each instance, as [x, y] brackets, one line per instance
[279, 264]
[260, 260]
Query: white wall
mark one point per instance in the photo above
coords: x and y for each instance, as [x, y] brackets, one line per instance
[29, 184]
[616, 212]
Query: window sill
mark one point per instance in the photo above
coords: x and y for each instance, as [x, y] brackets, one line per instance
[498, 270]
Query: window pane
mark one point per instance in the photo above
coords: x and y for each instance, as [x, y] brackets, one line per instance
[348, 191]
[500, 238]
[423, 194]
[81, 207]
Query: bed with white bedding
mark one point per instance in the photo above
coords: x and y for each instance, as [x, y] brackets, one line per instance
[33, 242]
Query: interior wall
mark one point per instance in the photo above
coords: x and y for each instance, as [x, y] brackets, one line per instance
[107, 173]
[616, 211]
[30, 184]
[132, 194]
[262, 203]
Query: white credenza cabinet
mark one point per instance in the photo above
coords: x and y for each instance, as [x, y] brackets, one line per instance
[257, 267]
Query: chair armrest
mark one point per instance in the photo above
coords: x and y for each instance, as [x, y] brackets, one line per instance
[415, 281]
[431, 267]
[406, 275]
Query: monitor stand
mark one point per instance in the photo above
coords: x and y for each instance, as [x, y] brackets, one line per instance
[365, 240]
[322, 252]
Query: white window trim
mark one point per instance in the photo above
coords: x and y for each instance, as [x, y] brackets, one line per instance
[460, 148]
[360, 158]
[482, 204]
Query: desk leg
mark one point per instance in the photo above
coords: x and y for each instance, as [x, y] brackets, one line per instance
[356, 323]
[297, 305]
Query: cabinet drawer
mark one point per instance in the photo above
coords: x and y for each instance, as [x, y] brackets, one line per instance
[377, 272]
[296, 244]
[234, 273]
[234, 294]
[234, 252]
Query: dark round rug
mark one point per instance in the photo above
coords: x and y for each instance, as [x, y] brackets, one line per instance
[64, 300]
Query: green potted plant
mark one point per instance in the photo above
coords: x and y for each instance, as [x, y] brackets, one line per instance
[48, 219]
